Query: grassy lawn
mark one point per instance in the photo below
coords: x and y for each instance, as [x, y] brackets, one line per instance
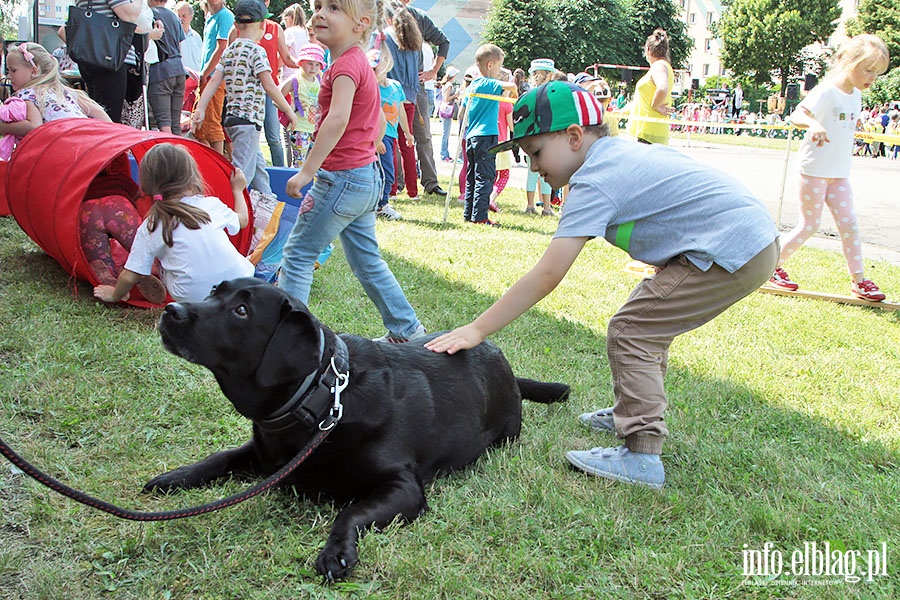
[783, 420]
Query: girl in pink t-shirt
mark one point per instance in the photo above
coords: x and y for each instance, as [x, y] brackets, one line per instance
[348, 176]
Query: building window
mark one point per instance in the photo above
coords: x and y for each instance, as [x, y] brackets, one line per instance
[710, 17]
[705, 70]
[708, 44]
[693, 18]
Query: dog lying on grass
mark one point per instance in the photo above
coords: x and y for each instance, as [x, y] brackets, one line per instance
[409, 414]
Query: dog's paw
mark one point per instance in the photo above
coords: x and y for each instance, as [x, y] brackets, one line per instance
[178, 479]
[336, 560]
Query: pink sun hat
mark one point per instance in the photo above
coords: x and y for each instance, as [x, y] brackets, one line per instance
[312, 52]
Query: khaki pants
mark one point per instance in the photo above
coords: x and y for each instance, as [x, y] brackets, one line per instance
[680, 298]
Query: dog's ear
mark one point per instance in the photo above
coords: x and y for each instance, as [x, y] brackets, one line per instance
[293, 350]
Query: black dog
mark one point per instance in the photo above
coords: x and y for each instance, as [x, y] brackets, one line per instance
[408, 413]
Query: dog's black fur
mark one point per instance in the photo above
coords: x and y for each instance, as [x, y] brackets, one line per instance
[409, 414]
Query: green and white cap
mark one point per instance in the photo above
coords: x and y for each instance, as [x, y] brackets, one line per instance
[551, 107]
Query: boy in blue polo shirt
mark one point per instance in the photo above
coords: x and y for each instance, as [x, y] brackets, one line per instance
[712, 242]
[482, 133]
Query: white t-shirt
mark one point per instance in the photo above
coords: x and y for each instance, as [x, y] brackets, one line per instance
[199, 258]
[838, 113]
[427, 64]
[294, 37]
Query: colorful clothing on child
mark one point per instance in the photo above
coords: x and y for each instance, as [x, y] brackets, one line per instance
[242, 62]
[53, 107]
[11, 111]
[838, 112]
[392, 98]
[198, 258]
[356, 148]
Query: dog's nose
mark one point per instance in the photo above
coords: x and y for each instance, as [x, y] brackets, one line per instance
[176, 311]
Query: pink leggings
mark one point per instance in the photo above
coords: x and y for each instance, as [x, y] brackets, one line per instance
[102, 219]
[836, 193]
[500, 181]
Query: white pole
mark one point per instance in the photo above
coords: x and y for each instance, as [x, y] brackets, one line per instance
[459, 141]
[787, 157]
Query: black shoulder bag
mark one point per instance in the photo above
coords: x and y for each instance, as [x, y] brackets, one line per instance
[97, 40]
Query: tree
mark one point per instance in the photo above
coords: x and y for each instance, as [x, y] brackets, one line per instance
[590, 31]
[523, 28]
[647, 15]
[885, 89]
[881, 18]
[9, 20]
[762, 37]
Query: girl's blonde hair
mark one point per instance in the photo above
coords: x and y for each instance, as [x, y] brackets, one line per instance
[296, 13]
[406, 28]
[48, 78]
[168, 173]
[357, 10]
[657, 45]
[864, 48]
[384, 65]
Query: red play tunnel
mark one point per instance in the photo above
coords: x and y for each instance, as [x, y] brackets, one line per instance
[60, 164]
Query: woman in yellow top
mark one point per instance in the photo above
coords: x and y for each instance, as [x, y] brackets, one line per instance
[653, 93]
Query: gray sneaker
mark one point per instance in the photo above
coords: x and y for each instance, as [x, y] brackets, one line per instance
[601, 420]
[621, 464]
[390, 338]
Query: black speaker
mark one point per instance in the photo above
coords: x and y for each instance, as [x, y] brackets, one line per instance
[695, 84]
[810, 81]
[626, 75]
[793, 91]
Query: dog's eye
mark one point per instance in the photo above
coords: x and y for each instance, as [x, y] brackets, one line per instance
[240, 310]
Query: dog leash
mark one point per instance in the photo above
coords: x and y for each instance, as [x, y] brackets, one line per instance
[324, 428]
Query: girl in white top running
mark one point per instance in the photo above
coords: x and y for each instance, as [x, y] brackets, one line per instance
[830, 113]
[186, 230]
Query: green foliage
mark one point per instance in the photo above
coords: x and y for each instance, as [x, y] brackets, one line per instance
[524, 29]
[590, 31]
[882, 18]
[885, 89]
[9, 21]
[647, 15]
[762, 37]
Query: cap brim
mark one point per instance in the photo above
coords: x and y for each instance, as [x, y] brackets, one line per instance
[503, 146]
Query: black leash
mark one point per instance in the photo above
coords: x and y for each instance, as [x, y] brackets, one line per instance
[335, 381]
[168, 515]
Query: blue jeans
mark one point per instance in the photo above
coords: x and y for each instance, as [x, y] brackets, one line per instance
[342, 203]
[272, 129]
[445, 140]
[387, 167]
[481, 170]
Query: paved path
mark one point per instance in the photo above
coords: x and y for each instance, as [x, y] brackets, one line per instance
[876, 187]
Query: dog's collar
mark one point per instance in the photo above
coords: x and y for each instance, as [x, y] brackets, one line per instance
[315, 404]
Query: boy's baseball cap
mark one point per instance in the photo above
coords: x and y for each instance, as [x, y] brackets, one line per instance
[551, 107]
[250, 11]
[313, 53]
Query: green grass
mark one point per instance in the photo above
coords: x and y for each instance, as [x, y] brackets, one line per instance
[783, 420]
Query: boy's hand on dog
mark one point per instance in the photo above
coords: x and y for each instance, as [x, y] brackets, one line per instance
[461, 338]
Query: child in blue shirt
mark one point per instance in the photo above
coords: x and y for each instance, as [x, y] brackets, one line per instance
[482, 133]
[392, 100]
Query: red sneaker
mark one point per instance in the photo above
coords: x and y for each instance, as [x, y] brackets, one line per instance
[781, 280]
[867, 290]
